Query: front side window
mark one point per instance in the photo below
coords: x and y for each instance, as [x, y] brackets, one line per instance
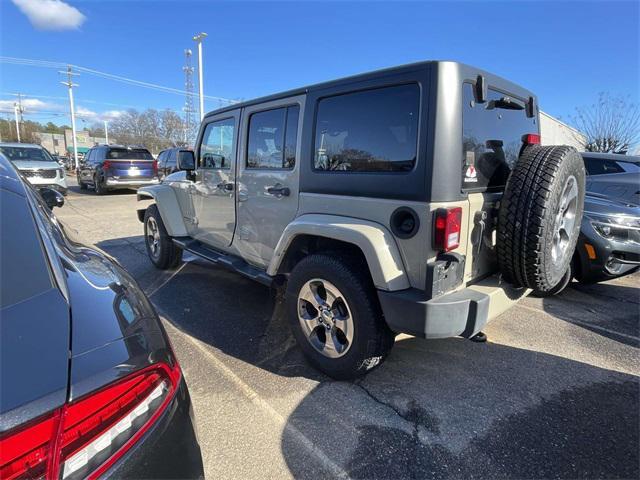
[217, 144]
[491, 138]
[272, 138]
[368, 131]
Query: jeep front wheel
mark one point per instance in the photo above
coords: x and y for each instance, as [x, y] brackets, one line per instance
[162, 252]
[335, 316]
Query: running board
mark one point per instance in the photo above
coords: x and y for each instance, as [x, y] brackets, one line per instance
[225, 260]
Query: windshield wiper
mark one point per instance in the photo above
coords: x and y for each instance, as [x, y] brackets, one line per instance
[505, 103]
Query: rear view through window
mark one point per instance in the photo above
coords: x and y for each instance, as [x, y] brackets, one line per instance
[368, 131]
[492, 138]
[129, 154]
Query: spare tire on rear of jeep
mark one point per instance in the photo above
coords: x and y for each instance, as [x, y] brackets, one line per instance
[540, 216]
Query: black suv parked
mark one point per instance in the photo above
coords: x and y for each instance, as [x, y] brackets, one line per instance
[111, 167]
[168, 160]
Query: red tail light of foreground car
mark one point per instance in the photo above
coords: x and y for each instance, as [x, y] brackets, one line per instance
[85, 437]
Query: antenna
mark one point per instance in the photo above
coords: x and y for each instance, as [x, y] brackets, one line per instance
[189, 120]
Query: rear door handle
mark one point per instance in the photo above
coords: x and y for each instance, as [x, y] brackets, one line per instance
[279, 191]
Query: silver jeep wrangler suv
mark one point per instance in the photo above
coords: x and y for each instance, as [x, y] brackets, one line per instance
[415, 199]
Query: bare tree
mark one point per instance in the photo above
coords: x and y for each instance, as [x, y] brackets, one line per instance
[153, 129]
[612, 124]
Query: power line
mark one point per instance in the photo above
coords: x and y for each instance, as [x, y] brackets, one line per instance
[110, 76]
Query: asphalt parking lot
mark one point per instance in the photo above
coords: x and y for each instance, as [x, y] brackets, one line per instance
[554, 393]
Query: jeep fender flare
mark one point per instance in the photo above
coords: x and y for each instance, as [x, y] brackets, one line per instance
[374, 240]
[167, 203]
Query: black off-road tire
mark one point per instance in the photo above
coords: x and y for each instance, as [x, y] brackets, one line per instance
[168, 254]
[81, 184]
[528, 212]
[559, 288]
[372, 339]
[98, 186]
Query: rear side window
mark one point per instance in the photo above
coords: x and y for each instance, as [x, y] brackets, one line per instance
[24, 272]
[491, 138]
[129, 154]
[368, 131]
[272, 138]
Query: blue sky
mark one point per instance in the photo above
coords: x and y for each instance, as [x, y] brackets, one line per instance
[566, 52]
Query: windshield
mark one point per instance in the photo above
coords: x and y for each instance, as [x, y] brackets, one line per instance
[603, 166]
[129, 154]
[27, 154]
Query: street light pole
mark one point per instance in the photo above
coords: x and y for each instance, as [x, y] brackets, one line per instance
[69, 83]
[106, 132]
[198, 38]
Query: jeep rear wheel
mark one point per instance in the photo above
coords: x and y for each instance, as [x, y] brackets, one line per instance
[98, 186]
[335, 316]
[162, 252]
[540, 216]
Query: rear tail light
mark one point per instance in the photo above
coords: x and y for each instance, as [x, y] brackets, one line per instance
[448, 223]
[106, 164]
[85, 437]
[155, 167]
[531, 139]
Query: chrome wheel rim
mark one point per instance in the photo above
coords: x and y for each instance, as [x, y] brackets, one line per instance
[565, 220]
[325, 318]
[153, 237]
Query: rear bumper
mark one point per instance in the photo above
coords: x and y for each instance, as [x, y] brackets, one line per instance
[461, 313]
[169, 449]
[115, 183]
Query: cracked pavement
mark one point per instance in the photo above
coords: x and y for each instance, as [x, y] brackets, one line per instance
[553, 393]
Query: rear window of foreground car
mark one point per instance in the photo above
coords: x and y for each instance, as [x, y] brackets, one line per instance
[129, 154]
[28, 154]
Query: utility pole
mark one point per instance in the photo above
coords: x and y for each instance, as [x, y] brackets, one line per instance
[198, 38]
[17, 112]
[69, 83]
[106, 132]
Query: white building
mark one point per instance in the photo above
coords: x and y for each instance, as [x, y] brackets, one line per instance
[555, 132]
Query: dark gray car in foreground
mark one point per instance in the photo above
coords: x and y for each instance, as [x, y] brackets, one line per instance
[89, 384]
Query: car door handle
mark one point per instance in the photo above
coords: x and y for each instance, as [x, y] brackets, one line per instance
[228, 187]
[279, 191]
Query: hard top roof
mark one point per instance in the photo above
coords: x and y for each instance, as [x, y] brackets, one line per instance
[366, 76]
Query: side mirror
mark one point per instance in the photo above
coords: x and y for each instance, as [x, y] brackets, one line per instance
[52, 197]
[186, 160]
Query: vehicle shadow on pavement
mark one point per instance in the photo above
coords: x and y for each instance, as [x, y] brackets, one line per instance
[445, 408]
[590, 307]
[90, 191]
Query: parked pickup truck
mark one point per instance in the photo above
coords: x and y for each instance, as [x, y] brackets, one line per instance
[416, 199]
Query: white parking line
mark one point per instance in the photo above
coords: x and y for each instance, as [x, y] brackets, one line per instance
[582, 324]
[256, 399]
[167, 280]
